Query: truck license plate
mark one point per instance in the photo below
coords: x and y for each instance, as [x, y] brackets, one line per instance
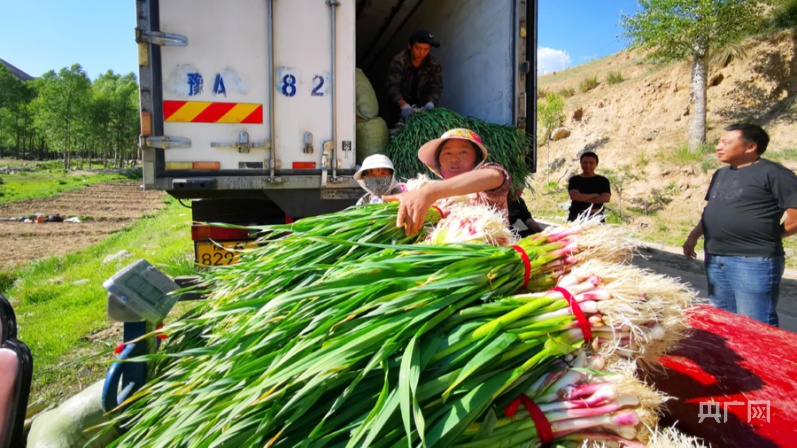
[221, 253]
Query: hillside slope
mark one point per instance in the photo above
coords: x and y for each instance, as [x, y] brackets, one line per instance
[639, 127]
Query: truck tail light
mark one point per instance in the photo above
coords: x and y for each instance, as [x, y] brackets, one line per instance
[203, 232]
[207, 165]
[198, 166]
[146, 124]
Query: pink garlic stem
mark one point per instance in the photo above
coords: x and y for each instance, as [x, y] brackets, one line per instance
[564, 233]
[578, 409]
[560, 423]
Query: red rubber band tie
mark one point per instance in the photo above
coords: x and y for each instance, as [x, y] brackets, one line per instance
[583, 323]
[544, 431]
[526, 264]
[442, 215]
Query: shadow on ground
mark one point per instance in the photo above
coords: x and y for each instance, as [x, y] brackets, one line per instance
[693, 273]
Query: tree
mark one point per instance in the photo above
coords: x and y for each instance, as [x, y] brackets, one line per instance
[61, 105]
[15, 117]
[550, 115]
[676, 29]
[115, 108]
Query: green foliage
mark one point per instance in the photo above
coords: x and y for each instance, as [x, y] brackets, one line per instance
[723, 56]
[709, 164]
[552, 187]
[782, 155]
[16, 118]
[785, 14]
[613, 216]
[64, 114]
[61, 106]
[566, 92]
[6, 281]
[550, 115]
[655, 201]
[56, 317]
[619, 179]
[588, 83]
[675, 29]
[33, 186]
[614, 77]
[641, 159]
[682, 155]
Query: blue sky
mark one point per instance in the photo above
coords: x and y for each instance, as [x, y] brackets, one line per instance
[41, 35]
[572, 32]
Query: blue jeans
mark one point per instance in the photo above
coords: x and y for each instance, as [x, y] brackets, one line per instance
[746, 285]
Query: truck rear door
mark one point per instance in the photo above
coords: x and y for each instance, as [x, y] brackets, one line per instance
[249, 97]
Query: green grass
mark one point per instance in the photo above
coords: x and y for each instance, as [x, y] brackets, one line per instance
[588, 83]
[573, 73]
[566, 92]
[24, 186]
[615, 77]
[681, 155]
[782, 155]
[57, 317]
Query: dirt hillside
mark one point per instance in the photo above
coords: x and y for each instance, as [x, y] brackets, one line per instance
[635, 125]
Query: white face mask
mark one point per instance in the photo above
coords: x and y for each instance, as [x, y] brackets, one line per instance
[378, 186]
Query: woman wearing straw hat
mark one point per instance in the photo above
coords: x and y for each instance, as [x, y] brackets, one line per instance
[459, 157]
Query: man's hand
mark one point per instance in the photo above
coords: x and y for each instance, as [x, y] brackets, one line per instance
[790, 223]
[689, 248]
[413, 206]
[691, 240]
[428, 106]
[406, 110]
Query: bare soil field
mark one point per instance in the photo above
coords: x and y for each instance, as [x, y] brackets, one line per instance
[102, 208]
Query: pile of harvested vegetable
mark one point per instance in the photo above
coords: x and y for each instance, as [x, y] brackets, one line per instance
[507, 145]
[340, 331]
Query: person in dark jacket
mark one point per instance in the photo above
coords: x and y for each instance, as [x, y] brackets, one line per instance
[414, 77]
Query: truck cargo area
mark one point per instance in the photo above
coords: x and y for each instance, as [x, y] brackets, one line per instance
[483, 51]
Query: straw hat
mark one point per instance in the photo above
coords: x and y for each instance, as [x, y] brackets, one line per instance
[428, 152]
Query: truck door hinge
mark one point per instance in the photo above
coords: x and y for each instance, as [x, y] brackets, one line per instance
[525, 67]
[160, 38]
[164, 142]
[243, 145]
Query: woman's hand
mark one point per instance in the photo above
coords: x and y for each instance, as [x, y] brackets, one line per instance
[413, 207]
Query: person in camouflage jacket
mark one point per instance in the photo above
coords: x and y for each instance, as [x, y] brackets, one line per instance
[414, 77]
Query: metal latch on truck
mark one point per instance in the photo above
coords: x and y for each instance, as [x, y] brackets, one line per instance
[243, 145]
[161, 38]
[164, 142]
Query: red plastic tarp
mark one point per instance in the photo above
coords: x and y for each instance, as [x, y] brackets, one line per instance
[734, 381]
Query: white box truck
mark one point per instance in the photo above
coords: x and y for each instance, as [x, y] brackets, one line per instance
[248, 106]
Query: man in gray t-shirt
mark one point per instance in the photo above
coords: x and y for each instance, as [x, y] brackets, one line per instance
[742, 226]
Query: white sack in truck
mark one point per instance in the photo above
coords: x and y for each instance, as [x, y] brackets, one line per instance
[367, 105]
[372, 137]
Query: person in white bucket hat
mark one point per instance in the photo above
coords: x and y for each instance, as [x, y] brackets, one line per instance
[460, 158]
[377, 178]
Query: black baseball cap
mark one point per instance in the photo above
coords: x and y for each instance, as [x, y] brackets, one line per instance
[424, 37]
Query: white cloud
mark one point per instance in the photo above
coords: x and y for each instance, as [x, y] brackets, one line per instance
[550, 60]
